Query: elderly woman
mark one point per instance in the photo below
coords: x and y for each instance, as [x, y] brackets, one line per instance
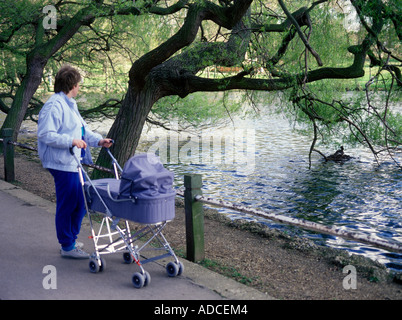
[61, 127]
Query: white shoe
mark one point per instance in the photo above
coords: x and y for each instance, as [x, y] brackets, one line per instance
[79, 245]
[76, 253]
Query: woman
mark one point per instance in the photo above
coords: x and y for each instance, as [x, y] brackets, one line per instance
[61, 127]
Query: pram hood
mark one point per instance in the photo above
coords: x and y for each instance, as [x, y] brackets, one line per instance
[145, 176]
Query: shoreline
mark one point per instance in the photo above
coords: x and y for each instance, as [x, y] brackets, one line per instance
[270, 260]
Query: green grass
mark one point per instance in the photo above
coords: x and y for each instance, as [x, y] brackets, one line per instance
[229, 272]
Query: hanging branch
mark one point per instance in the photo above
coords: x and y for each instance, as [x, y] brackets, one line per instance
[300, 33]
[313, 144]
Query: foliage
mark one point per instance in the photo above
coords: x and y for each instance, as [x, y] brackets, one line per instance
[197, 109]
[154, 60]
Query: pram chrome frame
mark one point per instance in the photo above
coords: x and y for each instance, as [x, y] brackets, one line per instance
[112, 238]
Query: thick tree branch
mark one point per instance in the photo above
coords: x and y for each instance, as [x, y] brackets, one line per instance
[300, 33]
[282, 49]
[356, 70]
[197, 12]
[169, 10]
[298, 15]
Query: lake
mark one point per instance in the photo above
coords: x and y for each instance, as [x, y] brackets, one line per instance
[263, 163]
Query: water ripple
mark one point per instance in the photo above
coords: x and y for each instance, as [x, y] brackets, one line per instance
[358, 195]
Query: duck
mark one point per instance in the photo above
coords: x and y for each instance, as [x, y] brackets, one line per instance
[338, 155]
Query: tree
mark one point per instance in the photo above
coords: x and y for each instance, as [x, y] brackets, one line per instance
[21, 19]
[258, 45]
[175, 66]
[24, 36]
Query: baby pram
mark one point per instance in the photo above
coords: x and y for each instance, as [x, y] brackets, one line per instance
[143, 194]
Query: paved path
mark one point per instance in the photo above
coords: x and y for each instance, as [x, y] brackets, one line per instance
[29, 257]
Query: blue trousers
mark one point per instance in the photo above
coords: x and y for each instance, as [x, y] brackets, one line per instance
[70, 207]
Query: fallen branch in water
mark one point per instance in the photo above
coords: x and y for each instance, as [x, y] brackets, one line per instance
[305, 224]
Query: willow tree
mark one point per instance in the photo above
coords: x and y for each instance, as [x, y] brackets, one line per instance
[32, 34]
[23, 34]
[261, 35]
[297, 47]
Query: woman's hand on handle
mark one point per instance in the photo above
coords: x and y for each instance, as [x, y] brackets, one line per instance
[80, 144]
[106, 143]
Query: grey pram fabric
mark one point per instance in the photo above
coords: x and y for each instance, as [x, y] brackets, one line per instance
[144, 194]
[145, 176]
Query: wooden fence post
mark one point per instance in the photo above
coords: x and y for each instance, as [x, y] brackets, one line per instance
[194, 218]
[8, 151]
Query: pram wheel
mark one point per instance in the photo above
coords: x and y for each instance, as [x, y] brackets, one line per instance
[138, 280]
[141, 280]
[127, 258]
[174, 269]
[181, 268]
[94, 265]
[147, 279]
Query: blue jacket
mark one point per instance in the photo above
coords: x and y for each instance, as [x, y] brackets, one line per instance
[58, 124]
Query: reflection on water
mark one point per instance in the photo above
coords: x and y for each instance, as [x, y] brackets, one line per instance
[358, 195]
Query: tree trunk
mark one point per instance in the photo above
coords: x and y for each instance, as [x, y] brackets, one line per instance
[126, 129]
[24, 93]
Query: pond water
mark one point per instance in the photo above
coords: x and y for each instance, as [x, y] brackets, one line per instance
[263, 163]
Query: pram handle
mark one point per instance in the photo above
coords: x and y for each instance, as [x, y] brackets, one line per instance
[81, 173]
[72, 148]
[116, 165]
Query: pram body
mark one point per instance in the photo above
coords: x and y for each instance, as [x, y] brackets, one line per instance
[142, 194]
[144, 210]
